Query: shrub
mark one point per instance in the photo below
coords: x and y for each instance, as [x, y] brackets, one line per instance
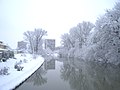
[25, 60]
[18, 66]
[4, 59]
[4, 71]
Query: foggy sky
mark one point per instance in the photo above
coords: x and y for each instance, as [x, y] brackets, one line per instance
[54, 16]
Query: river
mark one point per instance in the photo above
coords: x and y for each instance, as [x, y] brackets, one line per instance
[73, 74]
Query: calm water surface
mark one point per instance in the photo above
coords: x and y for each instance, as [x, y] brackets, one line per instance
[73, 74]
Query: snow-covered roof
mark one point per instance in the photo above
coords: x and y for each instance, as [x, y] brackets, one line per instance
[1, 43]
[1, 49]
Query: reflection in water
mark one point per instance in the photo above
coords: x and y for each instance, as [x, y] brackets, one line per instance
[91, 75]
[37, 78]
[49, 64]
[74, 74]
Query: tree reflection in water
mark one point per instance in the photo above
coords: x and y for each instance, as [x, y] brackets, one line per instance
[91, 75]
[37, 78]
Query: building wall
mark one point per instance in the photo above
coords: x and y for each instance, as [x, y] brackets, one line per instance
[50, 43]
[22, 45]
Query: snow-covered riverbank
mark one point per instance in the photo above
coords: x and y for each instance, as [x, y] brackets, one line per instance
[15, 77]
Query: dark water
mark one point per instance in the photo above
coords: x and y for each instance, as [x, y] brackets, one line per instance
[73, 74]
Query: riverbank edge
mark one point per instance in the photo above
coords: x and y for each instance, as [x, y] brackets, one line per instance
[26, 78]
[23, 77]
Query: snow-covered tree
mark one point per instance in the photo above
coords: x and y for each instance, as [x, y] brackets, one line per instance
[29, 38]
[81, 32]
[106, 39]
[76, 38]
[34, 39]
[38, 35]
[66, 41]
[101, 43]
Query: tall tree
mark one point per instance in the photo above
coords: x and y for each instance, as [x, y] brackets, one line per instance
[107, 36]
[81, 32]
[76, 37]
[29, 38]
[38, 34]
[34, 39]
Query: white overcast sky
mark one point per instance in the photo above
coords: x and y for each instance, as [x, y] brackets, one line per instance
[54, 16]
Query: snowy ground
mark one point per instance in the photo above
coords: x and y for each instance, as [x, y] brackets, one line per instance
[15, 77]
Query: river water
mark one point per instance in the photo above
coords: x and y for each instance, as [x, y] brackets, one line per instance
[73, 74]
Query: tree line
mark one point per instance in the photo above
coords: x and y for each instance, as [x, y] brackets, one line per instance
[96, 42]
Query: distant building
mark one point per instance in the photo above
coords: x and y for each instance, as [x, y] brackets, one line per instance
[50, 43]
[22, 45]
[5, 52]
